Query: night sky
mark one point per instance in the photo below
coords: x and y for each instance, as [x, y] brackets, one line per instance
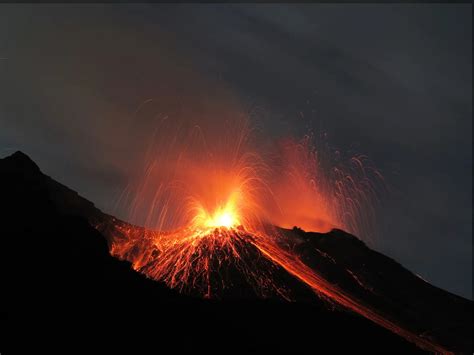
[393, 82]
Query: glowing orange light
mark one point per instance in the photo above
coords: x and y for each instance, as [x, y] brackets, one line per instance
[210, 204]
[224, 216]
[222, 219]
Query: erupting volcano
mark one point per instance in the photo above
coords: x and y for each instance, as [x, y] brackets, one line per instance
[215, 219]
[216, 202]
[228, 248]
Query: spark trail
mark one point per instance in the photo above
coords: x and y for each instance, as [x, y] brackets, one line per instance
[211, 210]
[195, 261]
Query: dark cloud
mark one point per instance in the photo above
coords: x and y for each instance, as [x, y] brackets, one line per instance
[393, 82]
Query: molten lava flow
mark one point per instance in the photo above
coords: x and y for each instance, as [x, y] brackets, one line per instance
[209, 205]
[209, 261]
[210, 195]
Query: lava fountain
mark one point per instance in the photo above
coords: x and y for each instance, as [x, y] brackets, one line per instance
[210, 201]
[211, 208]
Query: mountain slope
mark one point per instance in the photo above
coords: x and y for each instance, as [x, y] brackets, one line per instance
[57, 267]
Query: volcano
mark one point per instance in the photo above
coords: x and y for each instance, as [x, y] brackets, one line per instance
[226, 289]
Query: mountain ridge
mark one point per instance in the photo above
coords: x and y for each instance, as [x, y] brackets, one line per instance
[63, 209]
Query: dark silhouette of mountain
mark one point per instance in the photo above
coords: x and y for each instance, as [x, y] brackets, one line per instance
[61, 284]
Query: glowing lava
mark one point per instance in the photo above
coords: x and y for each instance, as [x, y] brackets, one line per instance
[209, 205]
[226, 216]
[222, 219]
[209, 194]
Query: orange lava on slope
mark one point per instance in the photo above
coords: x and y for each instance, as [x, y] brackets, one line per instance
[208, 208]
[332, 292]
[188, 259]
